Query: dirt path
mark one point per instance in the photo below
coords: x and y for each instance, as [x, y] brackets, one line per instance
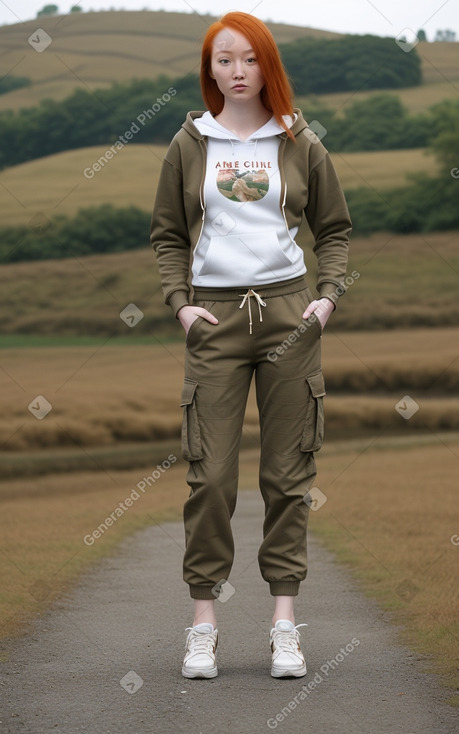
[107, 658]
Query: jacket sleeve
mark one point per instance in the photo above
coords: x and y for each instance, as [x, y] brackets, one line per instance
[169, 232]
[328, 217]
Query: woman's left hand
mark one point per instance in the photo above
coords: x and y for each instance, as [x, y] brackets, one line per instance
[321, 308]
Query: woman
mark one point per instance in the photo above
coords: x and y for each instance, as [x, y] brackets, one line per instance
[234, 187]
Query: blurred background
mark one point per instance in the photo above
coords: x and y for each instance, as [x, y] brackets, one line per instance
[91, 361]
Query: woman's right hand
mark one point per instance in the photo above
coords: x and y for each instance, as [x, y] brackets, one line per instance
[188, 314]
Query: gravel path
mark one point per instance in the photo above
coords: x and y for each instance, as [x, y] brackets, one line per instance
[107, 658]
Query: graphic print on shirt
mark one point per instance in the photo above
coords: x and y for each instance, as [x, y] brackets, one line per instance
[250, 184]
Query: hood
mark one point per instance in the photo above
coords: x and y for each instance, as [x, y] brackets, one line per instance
[203, 124]
[208, 125]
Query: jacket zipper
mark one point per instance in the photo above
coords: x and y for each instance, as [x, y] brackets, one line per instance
[203, 147]
[283, 196]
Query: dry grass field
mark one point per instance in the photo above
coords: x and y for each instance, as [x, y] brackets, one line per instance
[440, 73]
[106, 395]
[93, 50]
[130, 178]
[404, 281]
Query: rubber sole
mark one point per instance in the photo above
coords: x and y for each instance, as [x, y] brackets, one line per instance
[285, 673]
[193, 673]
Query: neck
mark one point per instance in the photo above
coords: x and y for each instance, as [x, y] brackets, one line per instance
[243, 119]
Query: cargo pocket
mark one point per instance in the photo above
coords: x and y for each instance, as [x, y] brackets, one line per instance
[191, 436]
[313, 432]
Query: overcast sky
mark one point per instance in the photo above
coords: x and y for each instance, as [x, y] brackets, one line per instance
[380, 17]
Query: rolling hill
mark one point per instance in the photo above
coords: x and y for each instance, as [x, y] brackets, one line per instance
[93, 50]
[130, 178]
[96, 49]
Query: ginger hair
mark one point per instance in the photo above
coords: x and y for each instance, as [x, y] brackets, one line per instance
[277, 94]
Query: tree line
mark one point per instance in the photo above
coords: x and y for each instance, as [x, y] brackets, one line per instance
[98, 229]
[156, 109]
[427, 203]
[99, 117]
[318, 66]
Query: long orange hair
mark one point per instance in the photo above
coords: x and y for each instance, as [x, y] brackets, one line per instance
[277, 94]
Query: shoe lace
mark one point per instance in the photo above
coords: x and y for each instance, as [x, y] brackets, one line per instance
[199, 642]
[288, 640]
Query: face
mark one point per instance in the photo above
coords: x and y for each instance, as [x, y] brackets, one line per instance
[234, 66]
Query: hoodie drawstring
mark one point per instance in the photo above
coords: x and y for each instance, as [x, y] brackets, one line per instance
[246, 299]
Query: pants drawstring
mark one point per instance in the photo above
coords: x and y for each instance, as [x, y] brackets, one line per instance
[246, 299]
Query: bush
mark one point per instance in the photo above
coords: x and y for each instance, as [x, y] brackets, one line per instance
[9, 83]
[97, 118]
[318, 66]
[428, 204]
[93, 230]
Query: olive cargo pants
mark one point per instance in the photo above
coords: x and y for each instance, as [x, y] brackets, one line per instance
[284, 352]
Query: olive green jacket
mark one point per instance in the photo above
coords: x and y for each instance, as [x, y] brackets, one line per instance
[309, 187]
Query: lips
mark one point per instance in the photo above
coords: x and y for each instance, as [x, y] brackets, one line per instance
[239, 86]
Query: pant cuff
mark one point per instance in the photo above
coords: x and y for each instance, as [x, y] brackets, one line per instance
[284, 588]
[202, 592]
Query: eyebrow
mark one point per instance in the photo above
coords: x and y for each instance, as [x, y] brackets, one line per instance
[228, 51]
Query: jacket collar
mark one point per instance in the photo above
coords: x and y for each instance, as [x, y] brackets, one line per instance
[298, 126]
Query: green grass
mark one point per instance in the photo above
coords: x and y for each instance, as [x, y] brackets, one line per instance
[25, 341]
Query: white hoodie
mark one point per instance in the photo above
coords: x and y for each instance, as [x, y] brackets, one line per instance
[245, 239]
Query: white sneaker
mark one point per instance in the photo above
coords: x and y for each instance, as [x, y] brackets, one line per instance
[201, 645]
[287, 660]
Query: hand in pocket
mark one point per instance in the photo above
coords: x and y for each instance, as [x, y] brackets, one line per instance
[188, 314]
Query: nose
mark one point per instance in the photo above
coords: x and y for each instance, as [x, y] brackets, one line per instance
[238, 71]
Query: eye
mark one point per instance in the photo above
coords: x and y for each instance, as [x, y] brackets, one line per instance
[252, 60]
[223, 62]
